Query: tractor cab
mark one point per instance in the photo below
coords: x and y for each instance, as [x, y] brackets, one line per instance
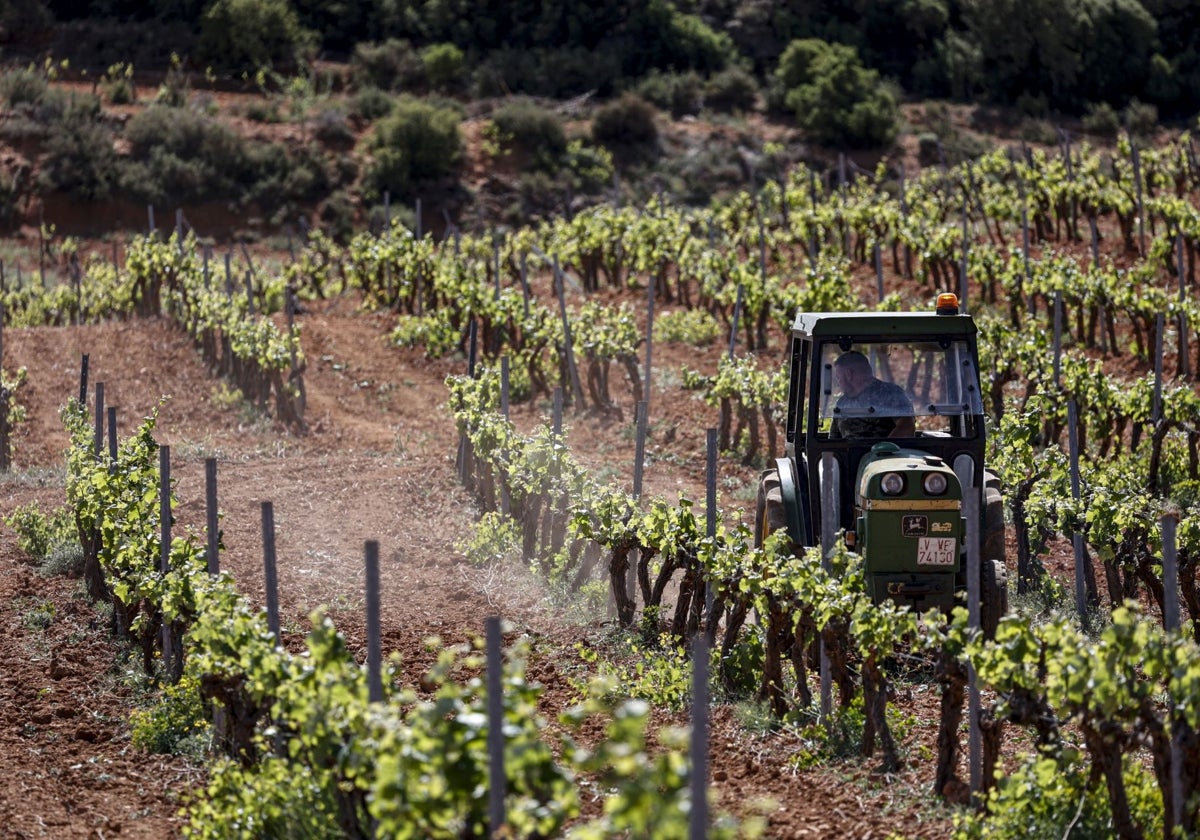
[885, 443]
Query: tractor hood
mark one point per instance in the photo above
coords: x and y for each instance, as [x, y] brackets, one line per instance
[891, 477]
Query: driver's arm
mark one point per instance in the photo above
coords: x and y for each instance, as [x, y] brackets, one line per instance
[906, 426]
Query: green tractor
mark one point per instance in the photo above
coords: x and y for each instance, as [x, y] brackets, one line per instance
[885, 442]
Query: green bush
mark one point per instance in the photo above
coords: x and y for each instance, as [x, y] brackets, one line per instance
[117, 84]
[332, 130]
[679, 93]
[38, 535]
[418, 143]
[731, 91]
[23, 86]
[179, 156]
[558, 72]
[445, 66]
[1141, 118]
[370, 103]
[65, 560]
[626, 127]
[176, 724]
[394, 64]
[687, 326]
[528, 129]
[1034, 130]
[337, 216]
[245, 36]
[1101, 118]
[79, 156]
[591, 167]
[836, 100]
[277, 177]
[663, 37]
[274, 798]
[1044, 793]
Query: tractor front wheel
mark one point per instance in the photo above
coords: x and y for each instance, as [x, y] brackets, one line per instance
[769, 515]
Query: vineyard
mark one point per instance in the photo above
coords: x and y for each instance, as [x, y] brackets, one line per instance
[563, 426]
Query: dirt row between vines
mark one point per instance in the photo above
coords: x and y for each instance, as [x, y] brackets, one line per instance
[378, 464]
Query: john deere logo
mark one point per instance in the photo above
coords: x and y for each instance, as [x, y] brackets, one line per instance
[915, 526]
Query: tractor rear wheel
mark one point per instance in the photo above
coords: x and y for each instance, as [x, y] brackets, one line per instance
[993, 584]
[993, 595]
[991, 541]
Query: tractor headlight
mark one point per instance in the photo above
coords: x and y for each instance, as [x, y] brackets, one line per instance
[934, 484]
[892, 484]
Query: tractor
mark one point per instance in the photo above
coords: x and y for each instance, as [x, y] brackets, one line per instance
[885, 445]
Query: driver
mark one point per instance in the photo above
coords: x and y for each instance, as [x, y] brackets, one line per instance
[892, 412]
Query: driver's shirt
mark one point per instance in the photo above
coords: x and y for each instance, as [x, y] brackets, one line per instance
[888, 402]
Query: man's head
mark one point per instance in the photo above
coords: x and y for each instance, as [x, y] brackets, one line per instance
[852, 373]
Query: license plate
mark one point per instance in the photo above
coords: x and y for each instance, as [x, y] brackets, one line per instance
[937, 551]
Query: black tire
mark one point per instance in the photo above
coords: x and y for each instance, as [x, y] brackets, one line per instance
[993, 571]
[993, 596]
[991, 541]
[769, 514]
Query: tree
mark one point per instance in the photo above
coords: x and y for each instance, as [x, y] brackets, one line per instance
[837, 101]
[417, 143]
[245, 36]
[1067, 51]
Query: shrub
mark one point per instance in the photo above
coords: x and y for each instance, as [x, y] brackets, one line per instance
[1044, 793]
[277, 176]
[244, 36]
[730, 91]
[687, 326]
[445, 66]
[65, 560]
[1039, 131]
[665, 37]
[79, 157]
[557, 72]
[929, 151]
[117, 84]
[274, 798]
[591, 167]
[679, 93]
[417, 143]
[1141, 118]
[371, 103]
[183, 156]
[332, 130]
[392, 65]
[528, 128]
[177, 724]
[1101, 118]
[38, 535]
[337, 216]
[836, 100]
[626, 127]
[23, 86]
